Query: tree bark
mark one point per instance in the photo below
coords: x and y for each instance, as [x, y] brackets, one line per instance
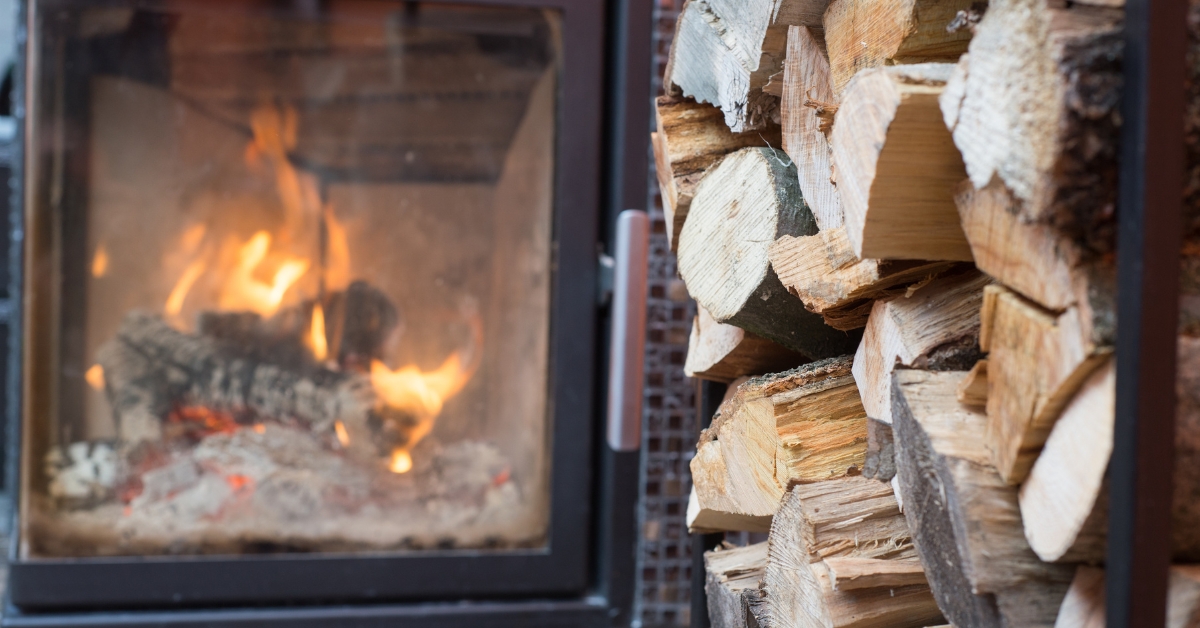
[729, 572]
[966, 521]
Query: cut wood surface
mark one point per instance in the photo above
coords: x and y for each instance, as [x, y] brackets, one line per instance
[802, 425]
[848, 573]
[723, 353]
[730, 571]
[1067, 497]
[937, 327]
[691, 137]
[1063, 501]
[972, 390]
[823, 271]
[897, 166]
[1036, 361]
[806, 80]
[724, 54]
[1034, 104]
[852, 518]
[1084, 606]
[965, 519]
[863, 34]
[743, 205]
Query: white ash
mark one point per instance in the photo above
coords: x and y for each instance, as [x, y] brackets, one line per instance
[81, 471]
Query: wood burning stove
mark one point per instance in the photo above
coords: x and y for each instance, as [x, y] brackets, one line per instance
[310, 314]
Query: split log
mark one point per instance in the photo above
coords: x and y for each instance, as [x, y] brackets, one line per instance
[897, 167]
[802, 425]
[864, 34]
[936, 328]
[848, 573]
[724, 353]
[823, 271]
[725, 57]
[692, 137]
[972, 390]
[1084, 606]
[806, 80]
[1064, 500]
[849, 518]
[1065, 496]
[730, 572]
[1057, 157]
[743, 205]
[1036, 361]
[965, 519]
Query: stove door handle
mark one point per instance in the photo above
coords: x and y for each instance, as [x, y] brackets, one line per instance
[627, 347]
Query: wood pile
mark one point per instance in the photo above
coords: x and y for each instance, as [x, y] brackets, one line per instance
[897, 219]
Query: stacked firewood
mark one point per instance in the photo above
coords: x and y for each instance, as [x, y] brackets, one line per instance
[897, 219]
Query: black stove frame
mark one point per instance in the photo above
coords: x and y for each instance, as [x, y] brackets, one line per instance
[584, 577]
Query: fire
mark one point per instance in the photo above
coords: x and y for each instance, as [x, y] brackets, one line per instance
[423, 393]
[95, 377]
[401, 461]
[343, 436]
[100, 262]
[316, 334]
[183, 286]
[244, 291]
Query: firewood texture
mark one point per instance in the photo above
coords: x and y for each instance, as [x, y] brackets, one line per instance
[864, 34]
[848, 518]
[806, 79]
[691, 137]
[1034, 105]
[1036, 361]
[897, 167]
[724, 53]
[730, 573]
[743, 205]
[965, 519]
[823, 271]
[936, 327]
[803, 425]
[723, 353]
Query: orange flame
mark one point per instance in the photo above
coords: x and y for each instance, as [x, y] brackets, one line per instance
[100, 262]
[423, 394]
[183, 287]
[316, 334]
[343, 436]
[95, 377]
[244, 291]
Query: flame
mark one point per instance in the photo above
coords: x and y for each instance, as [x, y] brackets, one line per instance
[343, 436]
[316, 334]
[422, 393]
[183, 286]
[401, 461]
[100, 262]
[337, 253]
[244, 291]
[95, 377]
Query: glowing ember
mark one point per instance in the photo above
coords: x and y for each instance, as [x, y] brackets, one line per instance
[401, 461]
[244, 291]
[342, 435]
[95, 377]
[316, 334]
[259, 428]
[100, 262]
